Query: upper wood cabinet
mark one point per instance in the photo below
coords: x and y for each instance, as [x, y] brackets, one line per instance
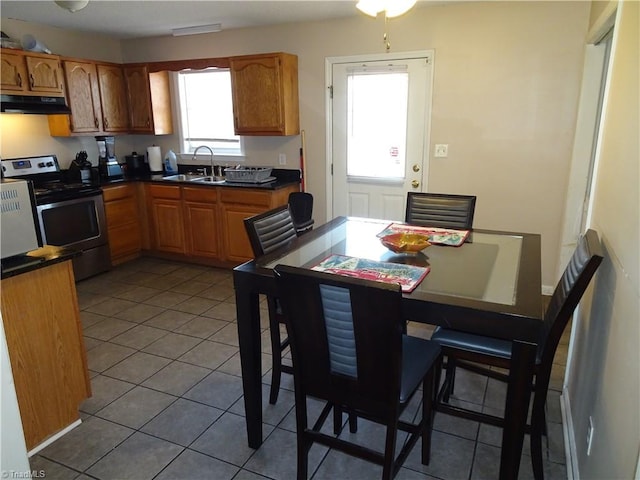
[29, 73]
[113, 96]
[149, 100]
[265, 94]
[83, 97]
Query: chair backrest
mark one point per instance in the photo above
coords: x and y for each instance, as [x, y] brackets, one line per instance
[270, 230]
[440, 210]
[574, 281]
[346, 338]
[301, 206]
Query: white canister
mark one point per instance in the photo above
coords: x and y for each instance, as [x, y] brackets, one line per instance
[154, 157]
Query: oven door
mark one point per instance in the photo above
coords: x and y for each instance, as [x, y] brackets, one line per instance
[79, 222]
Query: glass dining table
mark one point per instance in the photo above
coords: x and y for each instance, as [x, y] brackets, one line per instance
[490, 285]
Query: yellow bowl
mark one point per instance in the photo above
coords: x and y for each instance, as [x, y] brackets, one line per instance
[405, 242]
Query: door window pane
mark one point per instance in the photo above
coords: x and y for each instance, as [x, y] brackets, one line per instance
[377, 124]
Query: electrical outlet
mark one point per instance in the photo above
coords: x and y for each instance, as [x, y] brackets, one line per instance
[590, 430]
[442, 150]
[282, 159]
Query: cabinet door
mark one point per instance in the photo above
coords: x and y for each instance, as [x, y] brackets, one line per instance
[139, 95]
[45, 75]
[14, 72]
[123, 222]
[83, 95]
[113, 95]
[238, 248]
[257, 98]
[202, 221]
[168, 225]
[265, 94]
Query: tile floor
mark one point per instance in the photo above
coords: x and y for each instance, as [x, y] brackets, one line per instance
[167, 401]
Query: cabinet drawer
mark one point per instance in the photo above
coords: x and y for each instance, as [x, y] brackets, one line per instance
[121, 212]
[246, 197]
[164, 191]
[202, 194]
[117, 192]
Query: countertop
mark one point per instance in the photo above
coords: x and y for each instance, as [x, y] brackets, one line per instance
[35, 259]
[283, 179]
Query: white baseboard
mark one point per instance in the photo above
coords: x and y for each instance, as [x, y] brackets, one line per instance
[570, 451]
[53, 438]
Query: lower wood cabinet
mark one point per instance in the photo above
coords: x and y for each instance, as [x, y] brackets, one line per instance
[201, 221]
[204, 222]
[46, 349]
[123, 222]
[166, 218]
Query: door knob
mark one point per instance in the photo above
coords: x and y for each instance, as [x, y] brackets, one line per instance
[415, 183]
[416, 168]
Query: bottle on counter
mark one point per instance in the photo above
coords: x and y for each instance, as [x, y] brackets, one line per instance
[170, 163]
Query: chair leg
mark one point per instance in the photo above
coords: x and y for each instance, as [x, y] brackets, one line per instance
[429, 390]
[538, 427]
[302, 442]
[450, 378]
[276, 360]
[337, 419]
[389, 451]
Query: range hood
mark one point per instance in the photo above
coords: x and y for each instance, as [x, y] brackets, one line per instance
[33, 104]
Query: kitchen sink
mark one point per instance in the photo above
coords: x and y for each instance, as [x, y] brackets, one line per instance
[183, 177]
[193, 178]
[208, 180]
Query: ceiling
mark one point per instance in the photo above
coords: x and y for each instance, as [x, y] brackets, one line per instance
[126, 19]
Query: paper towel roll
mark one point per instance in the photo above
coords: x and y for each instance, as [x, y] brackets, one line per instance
[154, 155]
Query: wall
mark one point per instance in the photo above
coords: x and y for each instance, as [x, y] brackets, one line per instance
[506, 84]
[603, 380]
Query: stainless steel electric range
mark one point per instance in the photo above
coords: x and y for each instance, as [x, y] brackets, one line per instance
[69, 214]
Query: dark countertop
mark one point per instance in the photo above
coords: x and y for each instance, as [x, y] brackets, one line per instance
[36, 259]
[283, 179]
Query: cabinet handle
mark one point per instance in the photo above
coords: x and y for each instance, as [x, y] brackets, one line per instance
[148, 122]
[105, 122]
[31, 80]
[19, 79]
[95, 119]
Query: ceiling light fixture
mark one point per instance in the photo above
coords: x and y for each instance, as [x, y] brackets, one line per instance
[72, 5]
[391, 8]
[213, 28]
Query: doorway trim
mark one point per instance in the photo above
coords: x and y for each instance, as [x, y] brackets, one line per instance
[328, 74]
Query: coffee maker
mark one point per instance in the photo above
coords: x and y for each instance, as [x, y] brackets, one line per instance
[108, 165]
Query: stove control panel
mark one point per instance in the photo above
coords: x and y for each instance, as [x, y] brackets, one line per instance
[19, 167]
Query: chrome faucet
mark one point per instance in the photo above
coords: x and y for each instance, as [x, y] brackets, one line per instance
[210, 153]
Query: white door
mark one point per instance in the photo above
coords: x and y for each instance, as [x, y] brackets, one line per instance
[380, 113]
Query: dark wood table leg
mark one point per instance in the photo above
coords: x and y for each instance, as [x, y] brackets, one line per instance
[248, 319]
[523, 359]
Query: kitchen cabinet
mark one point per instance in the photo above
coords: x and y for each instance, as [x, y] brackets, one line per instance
[238, 204]
[149, 100]
[265, 94]
[83, 98]
[31, 74]
[113, 97]
[201, 221]
[123, 222]
[166, 218]
[46, 349]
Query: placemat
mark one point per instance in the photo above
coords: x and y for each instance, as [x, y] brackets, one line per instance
[437, 236]
[408, 276]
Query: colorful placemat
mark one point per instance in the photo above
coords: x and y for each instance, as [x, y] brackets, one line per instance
[408, 276]
[437, 236]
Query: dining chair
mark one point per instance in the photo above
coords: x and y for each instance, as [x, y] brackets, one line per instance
[348, 350]
[267, 232]
[301, 206]
[461, 348]
[440, 210]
